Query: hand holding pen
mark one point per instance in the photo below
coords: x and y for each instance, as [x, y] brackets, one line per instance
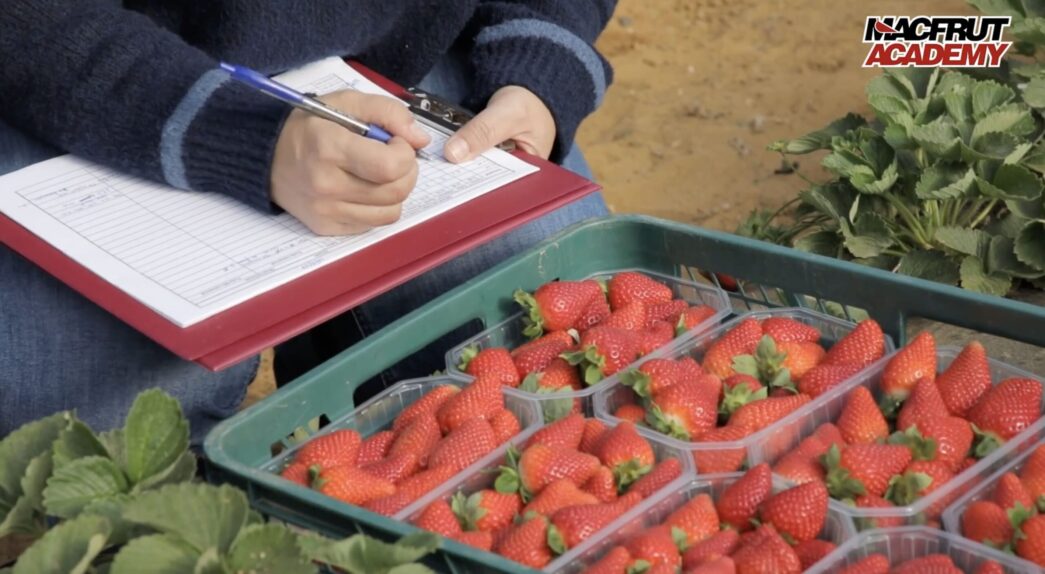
[333, 180]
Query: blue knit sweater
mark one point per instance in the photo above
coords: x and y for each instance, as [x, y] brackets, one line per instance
[133, 84]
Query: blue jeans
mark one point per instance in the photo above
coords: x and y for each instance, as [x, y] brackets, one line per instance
[60, 351]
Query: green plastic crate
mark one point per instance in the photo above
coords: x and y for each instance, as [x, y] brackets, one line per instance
[770, 276]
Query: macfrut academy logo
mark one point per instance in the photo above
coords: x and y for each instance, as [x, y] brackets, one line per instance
[930, 41]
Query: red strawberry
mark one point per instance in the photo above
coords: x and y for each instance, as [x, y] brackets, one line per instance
[565, 432]
[862, 346]
[965, 380]
[740, 340]
[541, 465]
[626, 287]
[575, 524]
[812, 551]
[595, 313]
[481, 539]
[739, 390]
[556, 306]
[656, 546]
[722, 543]
[824, 377]
[338, 448]
[602, 485]
[693, 317]
[909, 365]
[410, 489]
[631, 413]
[863, 468]
[376, 446]
[860, 421]
[685, 410]
[669, 311]
[505, 425]
[558, 377]
[627, 454]
[557, 495]
[352, 485]
[394, 468]
[768, 553]
[799, 467]
[1030, 545]
[786, 329]
[723, 459]
[739, 502]
[616, 561]
[439, 518]
[924, 403]
[429, 404]
[651, 377]
[800, 357]
[297, 472]
[418, 439]
[655, 337]
[527, 543]
[760, 414]
[1005, 411]
[869, 522]
[464, 445]
[689, 368]
[594, 430]
[486, 509]
[1010, 493]
[945, 439]
[694, 521]
[873, 564]
[928, 564]
[921, 478]
[494, 363]
[604, 351]
[630, 317]
[535, 356]
[720, 565]
[1032, 475]
[481, 399]
[799, 512]
[663, 473]
[989, 567]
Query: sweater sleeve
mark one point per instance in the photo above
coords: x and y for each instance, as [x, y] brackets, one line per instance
[109, 85]
[545, 46]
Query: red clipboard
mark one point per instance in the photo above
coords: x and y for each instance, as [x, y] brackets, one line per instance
[277, 315]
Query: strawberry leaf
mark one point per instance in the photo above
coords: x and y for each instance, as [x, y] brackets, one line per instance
[156, 434]
[268, 548]
[76, 441]
[155, 553]
[81, 482]
[68, 548]
[17, 452]
[361, 554]
[203, 515]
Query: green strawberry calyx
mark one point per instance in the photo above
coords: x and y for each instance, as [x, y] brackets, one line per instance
[590, 360]
[508, 481]
[638, 381]
[556, 542]
[467, 356]
[639, 567]
[467, 510]
[553, 409]
[680, 538]
[907, 487]
[766, 365]
[628, 472]
[986, 442]
[739, 395]
[667, 424]
[533, 318]
[922, 448]
[1019, 514]
[840, 482]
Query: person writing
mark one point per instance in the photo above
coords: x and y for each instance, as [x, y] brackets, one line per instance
[136, 86]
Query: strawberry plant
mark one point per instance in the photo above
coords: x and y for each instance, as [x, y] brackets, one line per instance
[126, 501]
[945, 183]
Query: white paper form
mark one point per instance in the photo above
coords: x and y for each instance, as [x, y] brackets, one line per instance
[191, 255]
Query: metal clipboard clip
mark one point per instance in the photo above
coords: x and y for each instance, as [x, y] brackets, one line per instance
[442, 115]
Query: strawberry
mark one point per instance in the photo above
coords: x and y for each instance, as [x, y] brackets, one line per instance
[616, 561]
[799, 467]
[602, 485]
[862, 346]
[689, 368]
[860, 421]
[486, 509]
[928, 564]
[760, 414]
[351, 485]
[867, 523]
[722, 543]
[540, 465]
[693, 317]
[297, 472]
[965, 380]
[338, 448]
[375, 447]
[921, 478]
[824, 377]
[464, 445]
[594, 430]
[631, 413]
[924, 403]
[987, 522]
[684, 410]
[739, 502]
[873, 564]
[651, 377]
[812, 551]
[630, 317]
[418, 439]
[669, 311]
[721, 459]
[565, 432]
[527, 543]
[655, 337]
[394, 468]
[788, 330]
[798, 513]
[493, 363]
[909, 365]
[595, 313]
[720, 565]
[768, 554]
[989, 567]
[1030, 542]
[438, 517]
[740, 340]
[628, 286]
[557, 495]
[429, 404]
[1032, 475]
[574, 524]
[410, 489]
[663, 473]
[556, 306]
[481, 399]
[945, 439]
[604, 351]
[694, 521]
[627, 454]
[1005, 411]
[558, 377]
[739, 390]
[1010, 494]
[863, 468]
[656, 546]
[505, 425]
[534, 357]
[481, 539]
[800, 357]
